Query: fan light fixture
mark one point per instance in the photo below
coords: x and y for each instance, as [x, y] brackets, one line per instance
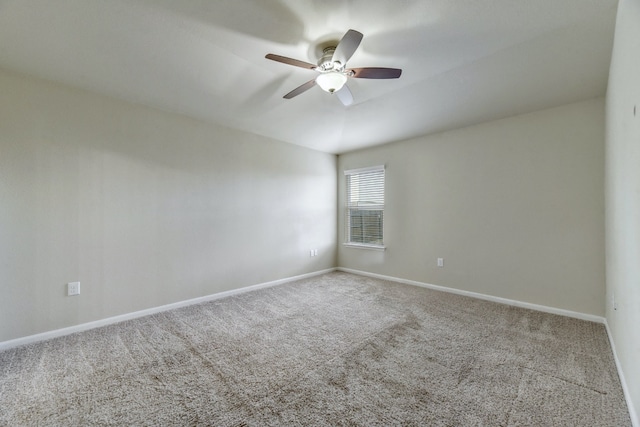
[331, 82]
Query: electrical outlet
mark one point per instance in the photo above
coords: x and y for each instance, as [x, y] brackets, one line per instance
[440, 262]
[315, 252]
[73, 288]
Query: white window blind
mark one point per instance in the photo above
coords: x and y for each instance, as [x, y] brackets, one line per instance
[365, 206]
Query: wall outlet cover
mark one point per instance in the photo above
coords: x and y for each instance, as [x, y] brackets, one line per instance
[73, 288]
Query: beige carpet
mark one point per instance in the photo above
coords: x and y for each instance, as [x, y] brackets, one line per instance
[336, 349]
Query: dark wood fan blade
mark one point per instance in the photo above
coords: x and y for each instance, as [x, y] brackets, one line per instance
[347, 46]
[344, 95]
[375, 73]
[291, 61]
[302, 88]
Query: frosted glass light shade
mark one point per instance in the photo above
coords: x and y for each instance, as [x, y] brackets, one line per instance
[331, 82]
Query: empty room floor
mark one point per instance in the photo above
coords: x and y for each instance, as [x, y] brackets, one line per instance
[334, 349]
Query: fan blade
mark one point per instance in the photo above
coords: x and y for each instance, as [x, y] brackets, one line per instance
[290, 61]
[375, 73]
[344, 95]
[347, 46]
[302, 88]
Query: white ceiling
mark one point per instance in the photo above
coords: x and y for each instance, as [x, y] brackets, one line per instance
[463, 61]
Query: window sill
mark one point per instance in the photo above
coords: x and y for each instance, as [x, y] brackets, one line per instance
[365, 246]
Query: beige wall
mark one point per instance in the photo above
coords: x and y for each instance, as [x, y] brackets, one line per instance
[515, 207]
[143, 207]
[623, 196]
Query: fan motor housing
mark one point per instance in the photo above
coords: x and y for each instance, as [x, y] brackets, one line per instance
[325, 62]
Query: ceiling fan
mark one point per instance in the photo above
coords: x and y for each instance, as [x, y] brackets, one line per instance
[333, 70]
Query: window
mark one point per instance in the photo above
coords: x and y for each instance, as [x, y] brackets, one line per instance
[365, 207]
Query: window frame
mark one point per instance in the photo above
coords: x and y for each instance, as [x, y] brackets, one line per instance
[350, 209]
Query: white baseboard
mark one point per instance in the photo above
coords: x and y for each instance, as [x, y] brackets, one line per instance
[543, 308]
[635, 421]
[128, 316]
